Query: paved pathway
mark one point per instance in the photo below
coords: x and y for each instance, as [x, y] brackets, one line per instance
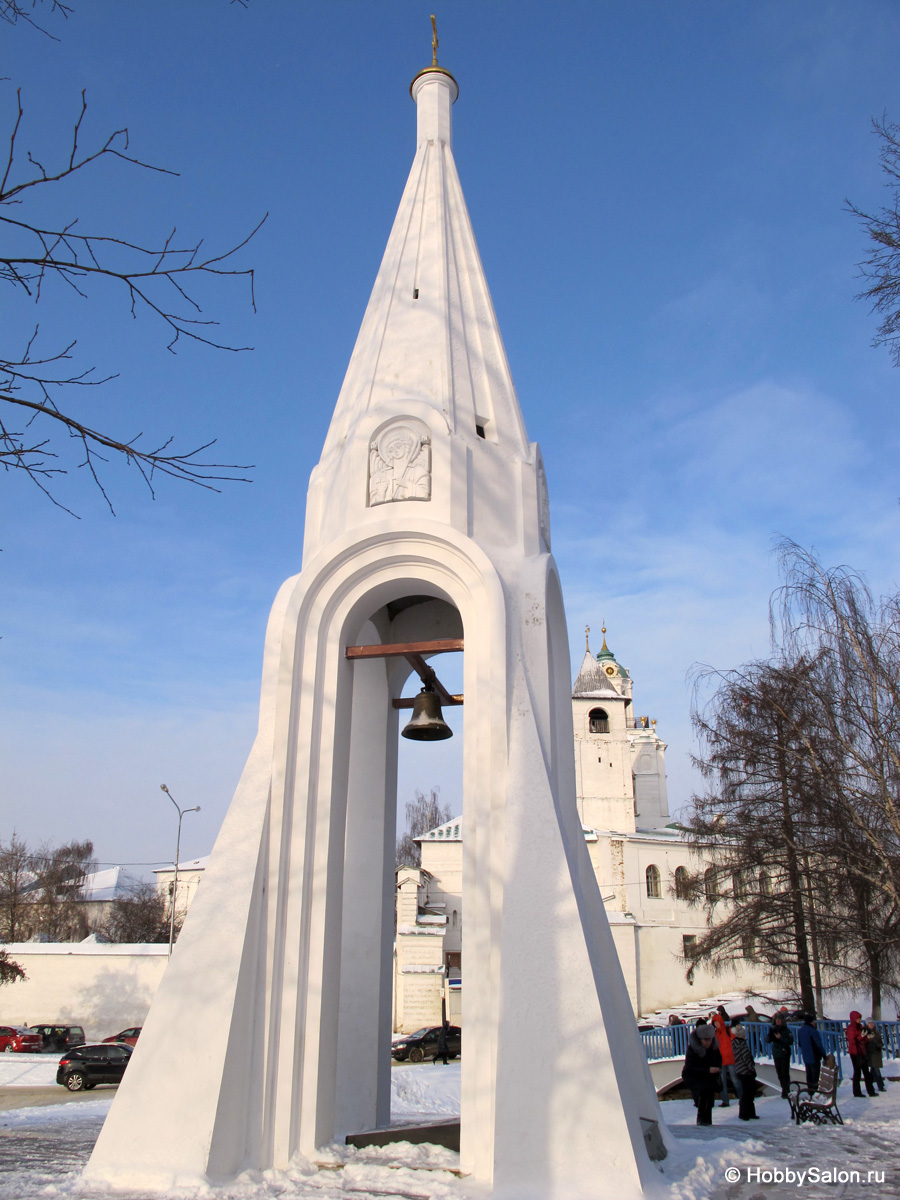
[39, 1097]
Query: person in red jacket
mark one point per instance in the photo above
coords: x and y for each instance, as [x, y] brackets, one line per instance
[721, 1022]
[859, 1054]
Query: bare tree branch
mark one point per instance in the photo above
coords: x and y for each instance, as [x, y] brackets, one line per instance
[881, 269]
[155, 279]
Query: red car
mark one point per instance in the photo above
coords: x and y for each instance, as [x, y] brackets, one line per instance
[129, 1036]
[14, 1039]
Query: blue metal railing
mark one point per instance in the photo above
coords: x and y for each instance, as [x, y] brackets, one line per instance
[670, 1041]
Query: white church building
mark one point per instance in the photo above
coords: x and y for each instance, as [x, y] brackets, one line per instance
[640, 858]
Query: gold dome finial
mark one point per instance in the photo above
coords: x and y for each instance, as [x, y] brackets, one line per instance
[603, 631]
[434, 41]
[587, 638]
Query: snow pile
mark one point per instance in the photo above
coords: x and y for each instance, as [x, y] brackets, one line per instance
[425, 1090]
[28, 1070]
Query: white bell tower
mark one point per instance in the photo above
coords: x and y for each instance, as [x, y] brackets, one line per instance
[427, 529]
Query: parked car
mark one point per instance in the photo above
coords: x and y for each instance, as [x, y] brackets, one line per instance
[86, 1066]
[130, 1036]
[57, 1038]
[17, 1039]
[422, 1044]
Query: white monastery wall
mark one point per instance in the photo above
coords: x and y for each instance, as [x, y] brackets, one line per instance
[103, 988]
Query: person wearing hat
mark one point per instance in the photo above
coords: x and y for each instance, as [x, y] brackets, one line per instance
[746, 1071]
[812, 1050]
[856, 1047]
[702, 1068]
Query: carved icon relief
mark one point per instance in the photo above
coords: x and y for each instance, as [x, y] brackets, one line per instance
[400, 465]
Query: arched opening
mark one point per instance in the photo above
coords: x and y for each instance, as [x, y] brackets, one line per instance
[422, 961]
[598, 720]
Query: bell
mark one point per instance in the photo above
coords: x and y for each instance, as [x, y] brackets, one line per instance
[427, 722]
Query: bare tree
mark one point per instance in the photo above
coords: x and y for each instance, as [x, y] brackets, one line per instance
[802, 760]
[41, 386]
[422, 814]
[16, 876]
[881, 270]
[58, 894]
[756, 824]
[139, 916]
[832, 613]
[41, 892]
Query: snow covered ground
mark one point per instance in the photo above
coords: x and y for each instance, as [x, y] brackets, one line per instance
[42, 1150]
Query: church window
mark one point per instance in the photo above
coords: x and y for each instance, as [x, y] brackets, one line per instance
[454, 918]
[654, 891]
[682, 884]
[765, 884]
[711, 884]
[737, 885]
[599, 720]
[688, 945]
[748, 945]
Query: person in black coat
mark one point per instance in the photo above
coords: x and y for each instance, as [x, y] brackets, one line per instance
[781, 1039]
[702, 1069]
[442, 1047]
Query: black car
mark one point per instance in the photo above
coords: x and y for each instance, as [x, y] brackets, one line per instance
[57, 1038]
[422, 1044]
[86, 1066]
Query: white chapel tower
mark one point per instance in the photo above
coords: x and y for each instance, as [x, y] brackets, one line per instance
[427, 531]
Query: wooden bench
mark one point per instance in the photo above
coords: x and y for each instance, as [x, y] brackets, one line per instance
[820, 1106]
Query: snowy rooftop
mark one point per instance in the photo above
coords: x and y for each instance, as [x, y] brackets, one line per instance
[191, 864]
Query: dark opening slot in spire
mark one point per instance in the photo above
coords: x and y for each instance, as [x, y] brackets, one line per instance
[479, 429]
[415, 293]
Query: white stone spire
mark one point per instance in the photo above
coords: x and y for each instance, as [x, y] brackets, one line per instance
[429, 344]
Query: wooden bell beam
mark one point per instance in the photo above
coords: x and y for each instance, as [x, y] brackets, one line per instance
[413, 652]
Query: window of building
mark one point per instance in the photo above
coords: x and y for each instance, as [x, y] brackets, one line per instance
[682, 884]
[599, 720]
[737, 884]
[654, 891]
[765, 884]
[688, 945]
[710, 884]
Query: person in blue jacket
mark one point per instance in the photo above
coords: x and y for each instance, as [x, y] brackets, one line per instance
[812, 1050]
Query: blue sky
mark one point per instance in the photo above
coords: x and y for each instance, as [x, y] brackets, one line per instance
[657, 191]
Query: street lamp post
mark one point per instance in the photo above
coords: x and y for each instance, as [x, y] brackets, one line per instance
[181, 812]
